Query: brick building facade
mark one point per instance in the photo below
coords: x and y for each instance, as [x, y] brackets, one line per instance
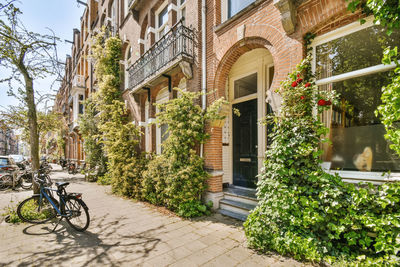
[8, 141]
[250, 47]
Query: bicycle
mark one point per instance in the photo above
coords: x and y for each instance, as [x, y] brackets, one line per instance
[43, 207]
[13, 180]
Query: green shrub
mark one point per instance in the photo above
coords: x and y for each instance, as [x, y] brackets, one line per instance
[11, 215]
[118, 137]
[176, 178]
[193, 208]
[310, 214]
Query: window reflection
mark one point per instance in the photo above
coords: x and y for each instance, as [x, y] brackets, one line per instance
[357, 135]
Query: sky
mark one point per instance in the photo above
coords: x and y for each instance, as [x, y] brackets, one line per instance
[59, 15]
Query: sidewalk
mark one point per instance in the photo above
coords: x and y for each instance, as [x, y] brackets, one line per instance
[123, 232]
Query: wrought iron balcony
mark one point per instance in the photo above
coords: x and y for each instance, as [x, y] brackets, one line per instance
[174, 46]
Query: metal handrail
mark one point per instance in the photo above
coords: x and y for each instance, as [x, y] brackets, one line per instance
[179, 41]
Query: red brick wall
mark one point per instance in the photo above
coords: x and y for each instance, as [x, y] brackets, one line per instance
[263, 29]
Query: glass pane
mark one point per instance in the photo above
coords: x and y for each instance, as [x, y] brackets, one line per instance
[245, 86]
[163, 17]
[182, 1]
[357, 136]
[80, 108]
[183, 13]
[235, 6]
[164, 133]
[349, 53]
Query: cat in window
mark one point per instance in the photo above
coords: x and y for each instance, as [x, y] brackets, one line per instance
[363, 161]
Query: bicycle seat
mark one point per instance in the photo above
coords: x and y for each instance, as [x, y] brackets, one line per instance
[61, 184]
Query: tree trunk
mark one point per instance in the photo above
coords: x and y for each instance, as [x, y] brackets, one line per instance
[33, 127]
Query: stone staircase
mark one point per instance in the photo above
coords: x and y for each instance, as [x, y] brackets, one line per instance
[237, 202]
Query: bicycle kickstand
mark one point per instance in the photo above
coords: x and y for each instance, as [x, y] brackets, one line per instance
[59, 220]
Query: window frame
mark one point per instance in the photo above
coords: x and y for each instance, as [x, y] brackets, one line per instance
[127, 65]
[226, 7]
[162, 97]
[350, 175]
[180, 9]
[164, 26]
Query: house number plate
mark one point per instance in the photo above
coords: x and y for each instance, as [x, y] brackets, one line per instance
[245, 159]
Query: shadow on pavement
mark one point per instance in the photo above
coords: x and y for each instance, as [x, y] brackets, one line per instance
[105, 246]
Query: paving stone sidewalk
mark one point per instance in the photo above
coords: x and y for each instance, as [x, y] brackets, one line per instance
[123, 232]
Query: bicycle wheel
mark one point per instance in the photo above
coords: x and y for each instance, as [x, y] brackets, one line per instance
[78, 213]
[26, 181]
[33, 210]
[6, 182]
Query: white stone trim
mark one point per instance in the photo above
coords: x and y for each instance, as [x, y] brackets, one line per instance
[356, 73]
[150, 30]
[172, 6]
[141, 41]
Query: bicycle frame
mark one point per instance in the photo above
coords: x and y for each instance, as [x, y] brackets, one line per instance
[43, 193]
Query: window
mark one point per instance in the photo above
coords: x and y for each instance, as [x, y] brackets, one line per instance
[147, 127]
[357, 135]
[162, 130]
[81, 98]
[127, 64]
[182, 10]
[245, 86]
[235, 6]
[162, 21]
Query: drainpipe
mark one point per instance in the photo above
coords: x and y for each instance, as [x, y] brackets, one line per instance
[203, 62]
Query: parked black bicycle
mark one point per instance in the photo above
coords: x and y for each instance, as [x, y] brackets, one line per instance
[43, 207]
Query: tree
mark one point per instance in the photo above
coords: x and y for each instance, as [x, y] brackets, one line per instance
[26, 56]
[17, 117]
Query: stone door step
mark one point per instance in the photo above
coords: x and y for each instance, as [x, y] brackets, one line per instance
[238, 216]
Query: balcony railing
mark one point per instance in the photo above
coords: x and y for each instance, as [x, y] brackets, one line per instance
[178, 42]
[78, 81]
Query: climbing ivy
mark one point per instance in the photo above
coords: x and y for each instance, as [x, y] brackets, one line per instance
[119, 137]
[88, 126]
[176, 178]
[390, 108]
[308, 213]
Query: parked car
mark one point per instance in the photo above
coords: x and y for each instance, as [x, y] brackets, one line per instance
[18, 158]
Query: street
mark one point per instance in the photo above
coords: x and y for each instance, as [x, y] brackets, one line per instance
[124, 232]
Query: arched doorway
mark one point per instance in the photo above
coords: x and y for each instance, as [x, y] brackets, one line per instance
[244, 136]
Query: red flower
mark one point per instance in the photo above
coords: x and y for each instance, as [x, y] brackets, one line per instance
[298, 75]
[321, 102]
[307, 85]
[302, 97]
[299, 80]
[328, 103]
[294, 84]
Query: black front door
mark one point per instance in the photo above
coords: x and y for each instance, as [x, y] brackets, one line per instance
[245, 144]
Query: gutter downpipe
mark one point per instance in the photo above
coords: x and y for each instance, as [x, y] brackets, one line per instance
[203, 62]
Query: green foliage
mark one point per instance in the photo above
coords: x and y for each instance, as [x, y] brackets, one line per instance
[119, 137]
[11, 214]
[88, 126]
[310, 214]
[390, 108]
[176, 178]
[387, 14]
